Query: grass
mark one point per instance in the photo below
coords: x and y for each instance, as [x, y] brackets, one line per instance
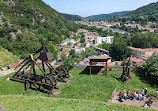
[91, 92]
[6, 57]
[25, 103]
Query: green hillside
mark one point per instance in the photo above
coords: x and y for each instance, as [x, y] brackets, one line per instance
[146, 13]
[6, 57]
[25, 25]
[101, 16]
[72, 17]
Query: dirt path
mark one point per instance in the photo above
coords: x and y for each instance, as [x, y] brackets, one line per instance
[134, 102]
[1, 108]
[4, 73]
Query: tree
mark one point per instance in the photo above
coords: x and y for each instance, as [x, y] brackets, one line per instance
[82, 40]
[146, 40]
[149, 68]
[69, 61]
[104, 46]
[72, 52]
[90, 52]
[119, 49]
[52, 49]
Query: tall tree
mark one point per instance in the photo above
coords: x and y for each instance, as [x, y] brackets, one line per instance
[119, 49]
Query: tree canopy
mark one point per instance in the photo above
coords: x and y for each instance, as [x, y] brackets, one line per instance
[119, 49]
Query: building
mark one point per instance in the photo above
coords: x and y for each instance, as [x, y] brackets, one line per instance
[144, 53]
[155, 53]
[108, 40]
[70, 41]
[65, 42]
[14, 65]
[79, 50]
[87, 44]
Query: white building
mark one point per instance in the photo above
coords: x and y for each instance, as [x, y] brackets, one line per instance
[79, 50]
[100, 40]
[70, 41]
[87, 44]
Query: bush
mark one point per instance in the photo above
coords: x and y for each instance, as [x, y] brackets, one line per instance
[149, 69]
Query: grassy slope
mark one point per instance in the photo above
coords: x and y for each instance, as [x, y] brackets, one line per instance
[84, 87]
[22, 103]
[6, 57]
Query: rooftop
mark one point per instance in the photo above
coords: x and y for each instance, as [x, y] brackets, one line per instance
[144, 50]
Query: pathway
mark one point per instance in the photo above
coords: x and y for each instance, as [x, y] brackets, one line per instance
[134, 102]
[4, 73]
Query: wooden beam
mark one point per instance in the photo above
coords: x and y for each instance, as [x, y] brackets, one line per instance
[106, 68]
[90, 70]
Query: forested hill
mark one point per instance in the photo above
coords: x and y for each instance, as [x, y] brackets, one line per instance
[72, 17]
[25, 25]
[101, 16]
[148, 12]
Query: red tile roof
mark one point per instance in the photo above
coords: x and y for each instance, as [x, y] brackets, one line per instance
[14, 65]
[144, 50]
[67, 53]
[103, 57]
[63, 41]
[87, 42]
[133, 59]
[145, 56]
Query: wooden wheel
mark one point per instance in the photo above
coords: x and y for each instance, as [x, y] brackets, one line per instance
[48, 82]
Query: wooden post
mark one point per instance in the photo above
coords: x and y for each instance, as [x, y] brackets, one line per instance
[106, 68]
[90, 69]
[43, 66]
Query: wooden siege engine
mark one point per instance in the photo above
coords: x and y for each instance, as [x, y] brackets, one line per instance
[125, 74]
[42, 80]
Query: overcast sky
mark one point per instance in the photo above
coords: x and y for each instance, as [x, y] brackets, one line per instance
[93, 7]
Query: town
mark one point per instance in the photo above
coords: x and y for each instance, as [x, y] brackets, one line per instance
[78, 55]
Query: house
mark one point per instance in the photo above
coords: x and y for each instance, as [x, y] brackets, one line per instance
[144, 53]
[87, 44]
[63, 43]
[78, 43]
[70, 41]
[14, 65]
[155, 53]
[67, 53]
[135, 60]
[79, 50]
[108, 39]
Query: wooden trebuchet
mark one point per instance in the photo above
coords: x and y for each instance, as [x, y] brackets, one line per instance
[125, 74]
[35, 76]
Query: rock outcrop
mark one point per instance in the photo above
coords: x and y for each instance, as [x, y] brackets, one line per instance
[13, 35]
[11, 3]
[18, 32]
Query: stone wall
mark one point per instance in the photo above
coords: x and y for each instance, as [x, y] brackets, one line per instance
[109, 68]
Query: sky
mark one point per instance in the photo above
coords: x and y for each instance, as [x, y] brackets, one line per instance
[86, 8]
